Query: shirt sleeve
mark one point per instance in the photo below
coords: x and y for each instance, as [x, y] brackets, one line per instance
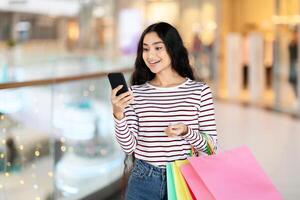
[126, 130]
[207, 124]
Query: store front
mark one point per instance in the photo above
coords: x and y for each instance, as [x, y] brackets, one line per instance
[258, 46]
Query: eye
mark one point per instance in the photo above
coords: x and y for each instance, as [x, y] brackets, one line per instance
[145, 49]
[158, 48]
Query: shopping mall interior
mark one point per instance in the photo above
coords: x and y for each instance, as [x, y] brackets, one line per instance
[57, 138]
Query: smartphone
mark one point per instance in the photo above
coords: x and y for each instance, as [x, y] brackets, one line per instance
[117, 79]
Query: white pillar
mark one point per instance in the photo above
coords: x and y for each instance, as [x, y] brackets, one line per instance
[256, 67]
[234, 65]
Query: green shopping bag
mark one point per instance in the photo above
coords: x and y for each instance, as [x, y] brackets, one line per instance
[170, 183]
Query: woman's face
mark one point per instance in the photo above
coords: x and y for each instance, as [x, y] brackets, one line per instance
[155, 54]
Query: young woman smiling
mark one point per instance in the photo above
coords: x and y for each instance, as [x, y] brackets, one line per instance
[164, 114]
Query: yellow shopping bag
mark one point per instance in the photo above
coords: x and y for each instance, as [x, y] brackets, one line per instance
[182, 190]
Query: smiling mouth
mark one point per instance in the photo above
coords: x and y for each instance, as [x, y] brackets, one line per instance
[152, 63]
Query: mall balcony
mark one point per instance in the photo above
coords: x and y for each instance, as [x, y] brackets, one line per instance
[57, 138]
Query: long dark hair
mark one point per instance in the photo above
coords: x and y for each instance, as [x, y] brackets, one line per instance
[175, 48]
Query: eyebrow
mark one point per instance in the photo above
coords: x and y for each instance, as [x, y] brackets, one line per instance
[154, 43]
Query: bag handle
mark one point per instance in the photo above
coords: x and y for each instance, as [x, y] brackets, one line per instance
[209, 148]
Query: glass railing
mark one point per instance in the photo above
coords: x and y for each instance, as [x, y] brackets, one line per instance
[57, 140]
[57, 66]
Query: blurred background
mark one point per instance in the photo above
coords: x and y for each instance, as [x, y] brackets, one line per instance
[56, 127]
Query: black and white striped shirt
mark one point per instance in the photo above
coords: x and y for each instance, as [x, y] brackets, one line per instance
[142, 129]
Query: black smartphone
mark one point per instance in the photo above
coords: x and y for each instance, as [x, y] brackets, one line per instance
[116, 79]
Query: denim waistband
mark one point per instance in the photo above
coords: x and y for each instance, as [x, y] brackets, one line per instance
[148, 168]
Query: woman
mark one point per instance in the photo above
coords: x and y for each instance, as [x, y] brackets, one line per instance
[168, 114]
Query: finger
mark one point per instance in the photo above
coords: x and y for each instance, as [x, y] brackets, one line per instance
[169, 129]
[169, 132]
[171, 135]
[176, 126]
[115, 90]
[123, 95]
[175, 132]
[173, 128]
[126, 104]
[119, 101]
[126, 99]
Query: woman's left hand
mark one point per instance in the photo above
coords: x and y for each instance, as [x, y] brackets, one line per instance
[176, 130]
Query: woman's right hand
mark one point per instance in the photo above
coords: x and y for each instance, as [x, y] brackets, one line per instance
[120, 102]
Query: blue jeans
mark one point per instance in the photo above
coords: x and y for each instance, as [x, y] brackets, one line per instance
[146, 182]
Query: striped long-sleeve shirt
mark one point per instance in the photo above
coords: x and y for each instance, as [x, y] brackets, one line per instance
[141, 131]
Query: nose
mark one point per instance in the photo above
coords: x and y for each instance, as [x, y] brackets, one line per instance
[151, 54]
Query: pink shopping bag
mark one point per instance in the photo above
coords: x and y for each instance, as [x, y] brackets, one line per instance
[197, 188]
[230, 175]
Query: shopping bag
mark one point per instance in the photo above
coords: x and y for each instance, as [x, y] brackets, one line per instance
[181, 188]
[231, 175]
[177, 187]
[170, 182]
[197, 188]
